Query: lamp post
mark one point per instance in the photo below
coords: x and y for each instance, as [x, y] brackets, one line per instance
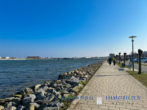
[140, 53]
[119, 58]
[132, 50]
[124, 58]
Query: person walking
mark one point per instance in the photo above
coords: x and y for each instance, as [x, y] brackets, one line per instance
[114, 61]
[110, 60]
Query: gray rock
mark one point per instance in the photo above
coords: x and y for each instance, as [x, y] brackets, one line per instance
[58, 88]
[68, 85]
[16, 100]
[44, 105]
[47, 94]
[40, 96]
[2, 101]
[69, 90]
[49, 99]
[28, 90]
[35, 105]
[30, 107]
[47, 83]
[36, 87]
[54, 103]
[11, 108]
[40, 90]
[59, 105]
[65, 95]
[45, 88]
[80, 85]
[32, 96]
[8, 104]
[23, 92]
[54, 85]
[27, 100]
[40, 102]
[20, 107]
[50, 108]
[73, 81]
[56, 93]
[65, 92]
[1, 107]
[51, 90]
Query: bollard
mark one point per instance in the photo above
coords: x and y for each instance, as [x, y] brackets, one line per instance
[140, 53]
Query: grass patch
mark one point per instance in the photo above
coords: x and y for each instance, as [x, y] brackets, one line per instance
[120, 65]
[141, 64]
[140, 77]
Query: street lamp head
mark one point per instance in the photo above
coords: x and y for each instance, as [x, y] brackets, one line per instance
[132, 36]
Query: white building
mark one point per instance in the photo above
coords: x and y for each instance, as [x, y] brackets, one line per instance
[111, 55]
[5, 57]
[0, 57]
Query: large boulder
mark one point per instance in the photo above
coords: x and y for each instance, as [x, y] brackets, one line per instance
[36, 87]
[45, 88]
[56, 103]
[49, 98]
[2, 101]
[16, 101]
[28, 90]
[7, 104]
[75, 89]
[20, 107]
[11, 108]
[44, 105]
[27, 100]
[73, 80]
[68, 85]
[1, 107]
[40, 96]
[51, 90]
[50, 108]
[30, 107]
[32, 96]
[61, 76]
[87, 77]
[35, 105]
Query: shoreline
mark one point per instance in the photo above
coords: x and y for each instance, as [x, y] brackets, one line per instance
[50, 59]
[49, 93]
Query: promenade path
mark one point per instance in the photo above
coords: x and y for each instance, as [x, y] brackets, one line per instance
[112, 81]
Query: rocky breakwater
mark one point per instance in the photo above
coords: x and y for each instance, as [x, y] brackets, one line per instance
[48, 96]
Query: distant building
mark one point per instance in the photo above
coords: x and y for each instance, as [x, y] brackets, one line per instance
[5, 57]
[111, 55]
[33, 57]
[12, 57]
[0, 57]
[94, 57]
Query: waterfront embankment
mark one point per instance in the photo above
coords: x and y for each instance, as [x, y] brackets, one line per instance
[112, 88]
[49, 95]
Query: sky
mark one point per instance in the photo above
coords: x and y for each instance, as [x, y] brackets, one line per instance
[71, 28]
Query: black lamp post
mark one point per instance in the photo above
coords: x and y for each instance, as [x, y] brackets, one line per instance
[119, 58]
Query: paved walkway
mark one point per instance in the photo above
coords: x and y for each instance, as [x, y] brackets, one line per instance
[112, 81]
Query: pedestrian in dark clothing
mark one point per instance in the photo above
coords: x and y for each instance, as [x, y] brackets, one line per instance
[110, 60]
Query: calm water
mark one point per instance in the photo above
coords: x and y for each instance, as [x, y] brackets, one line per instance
[18, 74]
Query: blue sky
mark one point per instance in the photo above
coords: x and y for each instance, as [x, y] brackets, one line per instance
[68, 28]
